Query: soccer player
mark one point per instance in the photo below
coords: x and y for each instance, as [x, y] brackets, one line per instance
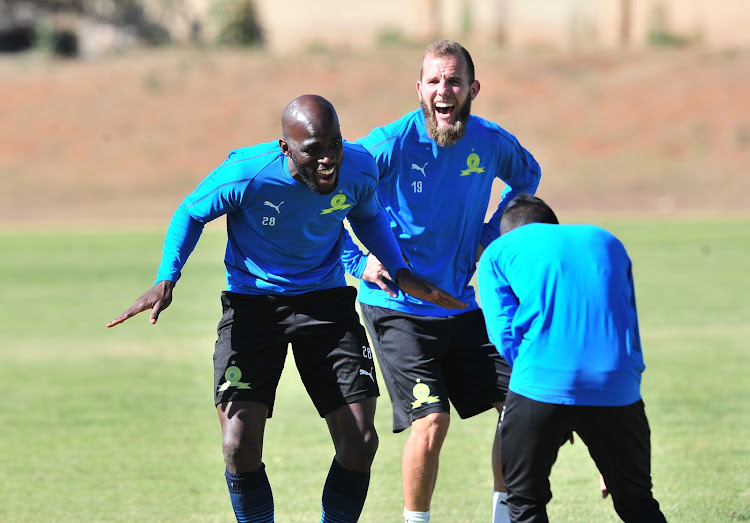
[437, 165]
[560, 306]
[285, 203]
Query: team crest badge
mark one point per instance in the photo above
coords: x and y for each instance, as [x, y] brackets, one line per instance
[472, 162]
[233, 375]
[338, 203]
[422, 395]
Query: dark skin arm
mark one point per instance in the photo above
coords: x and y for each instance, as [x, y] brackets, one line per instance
[157, 298]
[376, 273]
[426, 291]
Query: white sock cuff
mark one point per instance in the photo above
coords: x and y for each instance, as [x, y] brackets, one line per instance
[499, 507]
[416, 517]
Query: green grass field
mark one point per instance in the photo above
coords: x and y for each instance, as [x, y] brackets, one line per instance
[118, 424]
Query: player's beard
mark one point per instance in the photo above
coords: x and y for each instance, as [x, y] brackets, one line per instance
[448, 135]
[309, 177]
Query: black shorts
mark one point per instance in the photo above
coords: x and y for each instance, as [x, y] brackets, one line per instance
[328, 341]
[427, 361]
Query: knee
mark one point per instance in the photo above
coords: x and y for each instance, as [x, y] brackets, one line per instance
[356, 451]
[242, 453]
[431, 430]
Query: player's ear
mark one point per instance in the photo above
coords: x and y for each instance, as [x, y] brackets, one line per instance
[474, 89]
[284, 147]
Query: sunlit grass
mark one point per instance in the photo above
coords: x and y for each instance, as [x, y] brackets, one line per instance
[118, 424]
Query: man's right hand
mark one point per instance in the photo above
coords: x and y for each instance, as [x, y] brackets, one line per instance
[157, 298]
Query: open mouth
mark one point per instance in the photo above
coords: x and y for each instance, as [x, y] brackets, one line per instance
[444, 110]
[326, 174]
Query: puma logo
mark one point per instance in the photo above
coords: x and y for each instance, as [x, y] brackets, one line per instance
[420, 169]
[269, 204]
[363, 372]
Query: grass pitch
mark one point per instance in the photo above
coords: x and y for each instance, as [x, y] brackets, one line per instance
[119, 425]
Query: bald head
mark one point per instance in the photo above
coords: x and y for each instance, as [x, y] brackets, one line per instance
[312, 142]
[308, 112]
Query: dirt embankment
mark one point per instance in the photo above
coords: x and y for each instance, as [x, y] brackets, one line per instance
[122, 140]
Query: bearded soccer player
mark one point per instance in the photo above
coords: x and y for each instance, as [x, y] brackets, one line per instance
[285, 202]
[437, 165]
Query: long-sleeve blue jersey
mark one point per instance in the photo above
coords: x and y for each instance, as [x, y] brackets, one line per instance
[282, 238]
[559, 303]
[437, 199]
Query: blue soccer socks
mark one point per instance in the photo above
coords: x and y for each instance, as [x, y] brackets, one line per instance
[344, 494]
[251, 496]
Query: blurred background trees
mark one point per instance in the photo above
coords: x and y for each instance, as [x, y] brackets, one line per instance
[97, 27]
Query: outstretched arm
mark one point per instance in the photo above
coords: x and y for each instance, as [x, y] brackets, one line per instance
[182, 236]
[409, 283]
[376, 235]
[157, 298]
[426, 291]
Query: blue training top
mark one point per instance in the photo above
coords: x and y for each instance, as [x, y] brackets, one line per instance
[560, 307]
[282, 238]
[437, 199]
